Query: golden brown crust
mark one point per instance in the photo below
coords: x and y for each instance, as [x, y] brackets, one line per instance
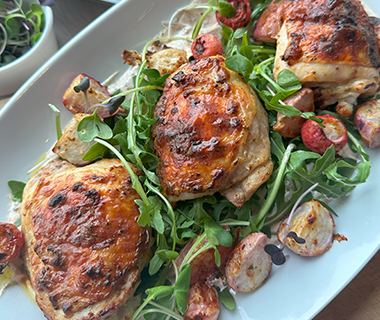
[83, 240]
[205, 119]
[330, 31]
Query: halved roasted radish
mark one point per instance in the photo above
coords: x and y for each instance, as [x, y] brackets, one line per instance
[318, 139]
[11, 241]
[249, 264]
[367, 120]
[69, 146]
[83, 101]
[202, 303]
[311, 222]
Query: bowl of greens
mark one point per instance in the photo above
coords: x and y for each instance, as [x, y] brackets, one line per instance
[27, 40]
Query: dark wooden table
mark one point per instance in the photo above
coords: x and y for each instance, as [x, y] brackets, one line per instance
[360, 300]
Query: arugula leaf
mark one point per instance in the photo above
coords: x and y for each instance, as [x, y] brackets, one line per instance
[17, 189]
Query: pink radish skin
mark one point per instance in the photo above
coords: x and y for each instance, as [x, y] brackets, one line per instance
[206, 45]
[249, 265]
[318, 139]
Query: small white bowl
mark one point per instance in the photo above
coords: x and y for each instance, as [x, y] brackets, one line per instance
[14, 74]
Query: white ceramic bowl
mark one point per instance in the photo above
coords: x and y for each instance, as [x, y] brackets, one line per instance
[14, 74]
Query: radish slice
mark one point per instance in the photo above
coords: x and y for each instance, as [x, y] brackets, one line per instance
[249, 265]
[313, 223]
[202, 303]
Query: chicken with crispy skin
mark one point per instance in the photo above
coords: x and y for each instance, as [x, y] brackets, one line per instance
[211, 134]
[84, 248]
[331, 46]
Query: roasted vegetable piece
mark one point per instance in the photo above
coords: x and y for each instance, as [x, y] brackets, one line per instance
[303, 100]
[206, 45]
[269, 23]
[11, 241]
[367, 120]
[317, 138]
[241, 16]
[69, 146]
[249, 264]
[202, 303]
[167, 60]
[79, 102]
[203, 265]
[313, 223]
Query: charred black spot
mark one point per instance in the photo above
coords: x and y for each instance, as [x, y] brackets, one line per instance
[77, 186]
[56, 200]
[94, 273]
[2, 256]
[370, 85]
[179, 77]
[92, 194]
[103, 312]
[56, 261]
[174, 110]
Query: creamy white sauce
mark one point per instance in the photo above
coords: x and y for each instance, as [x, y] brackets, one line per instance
[182, 26]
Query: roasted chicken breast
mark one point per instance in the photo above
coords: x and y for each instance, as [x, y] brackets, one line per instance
[330, 45]
[84, 248]
[211, 134]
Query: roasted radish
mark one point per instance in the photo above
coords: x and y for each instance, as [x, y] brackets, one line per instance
[82, 99]
[367, 120]
[249, 264]
[203, 265]
[206, 45]
[69, 146]
[202, 303]
[290, 127]
[11, 241]
[269, 23]
[314, 224]
[317, 138]
[240, 18]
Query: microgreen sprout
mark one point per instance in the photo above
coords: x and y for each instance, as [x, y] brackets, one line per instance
[19, 29]
[83, 86]
[276, 253]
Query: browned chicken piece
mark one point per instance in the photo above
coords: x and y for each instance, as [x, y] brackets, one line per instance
[290, 127]
[331, 46]
[202, 303]
[203, 266]
[270, 22]
[211, 134]
[84, 248]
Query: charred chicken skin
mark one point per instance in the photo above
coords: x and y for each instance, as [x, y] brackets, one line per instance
[211, 134]
[84, 248]
[330, 45]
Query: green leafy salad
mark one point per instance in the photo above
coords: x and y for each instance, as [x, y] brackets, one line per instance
[127, 135]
